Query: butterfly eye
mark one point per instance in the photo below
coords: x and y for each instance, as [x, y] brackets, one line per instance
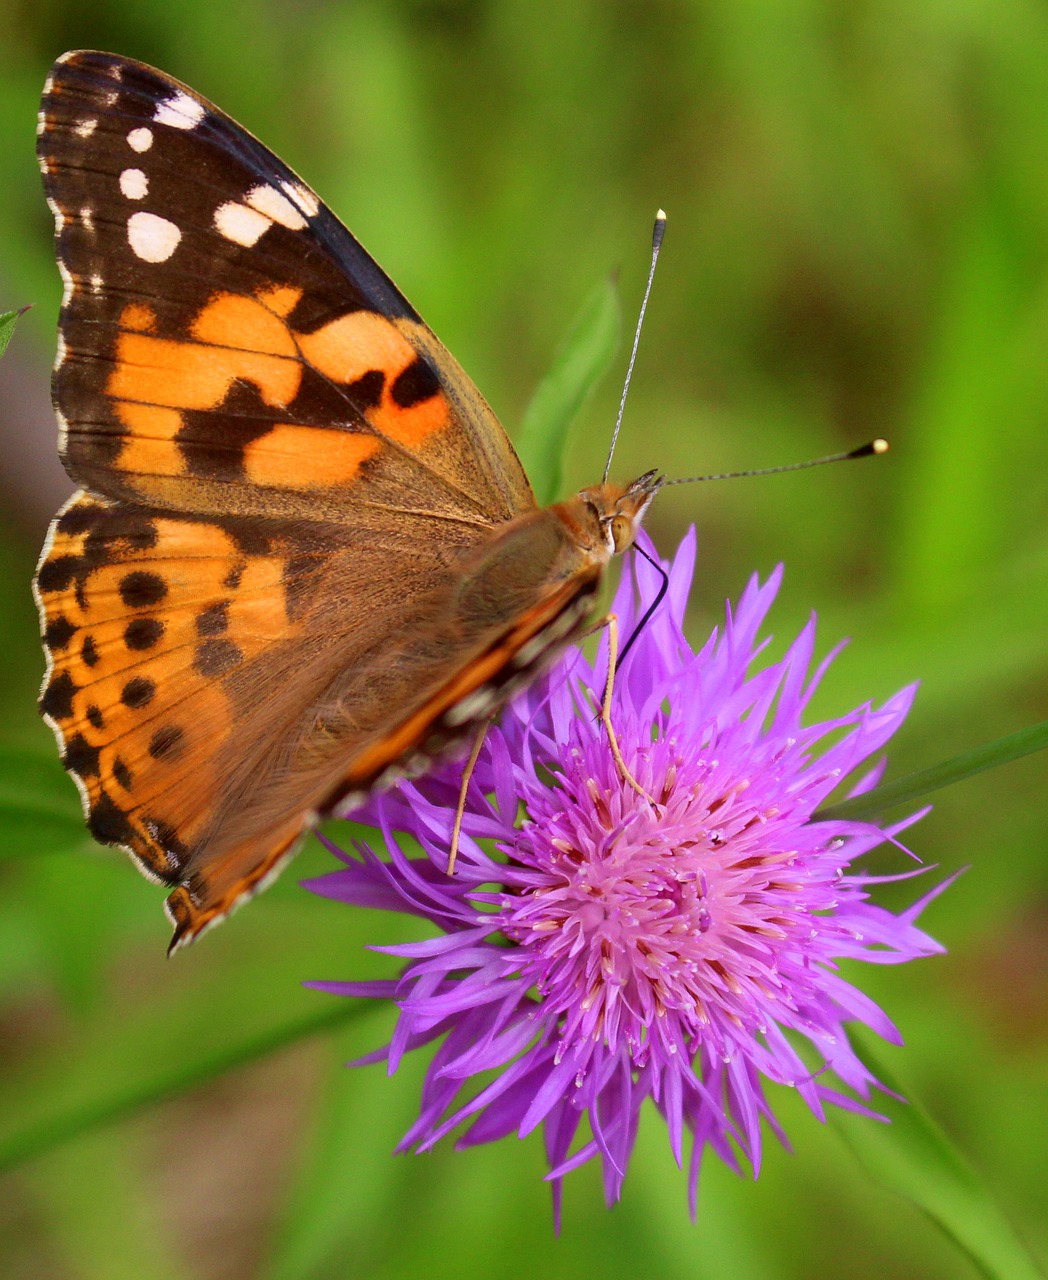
[620, 533]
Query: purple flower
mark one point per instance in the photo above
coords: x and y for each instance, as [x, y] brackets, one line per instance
[594, 949]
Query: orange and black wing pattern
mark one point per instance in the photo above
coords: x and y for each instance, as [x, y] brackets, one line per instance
[268, 440]
[226, 344]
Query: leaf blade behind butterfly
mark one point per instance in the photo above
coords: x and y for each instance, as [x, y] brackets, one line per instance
[916, 1160]
[8, 320]
[915, 786]
[580, 363]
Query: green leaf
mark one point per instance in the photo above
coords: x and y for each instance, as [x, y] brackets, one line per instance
[915, 1159]
[914, 786]
[8, 320]
[579, 365]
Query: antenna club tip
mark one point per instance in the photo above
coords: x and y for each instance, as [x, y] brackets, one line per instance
[869, 450]
[659, 231]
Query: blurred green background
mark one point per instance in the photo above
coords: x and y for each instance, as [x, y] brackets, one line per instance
[858, 201]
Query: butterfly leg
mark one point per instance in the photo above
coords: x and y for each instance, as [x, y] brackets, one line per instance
[460, 808]
[611, 621]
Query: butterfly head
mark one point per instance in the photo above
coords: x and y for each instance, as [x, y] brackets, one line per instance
[617, 511]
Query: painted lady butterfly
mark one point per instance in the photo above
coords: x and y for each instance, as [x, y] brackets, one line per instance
[304, 559]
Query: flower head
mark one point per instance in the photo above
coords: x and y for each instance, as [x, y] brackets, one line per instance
[682, 947]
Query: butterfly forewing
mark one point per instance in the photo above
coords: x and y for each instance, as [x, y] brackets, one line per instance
[217, 316]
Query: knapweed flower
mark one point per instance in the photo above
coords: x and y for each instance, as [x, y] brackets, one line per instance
[596, 948]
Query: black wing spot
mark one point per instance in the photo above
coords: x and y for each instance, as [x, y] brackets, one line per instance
[416, 383]
[143, 633]
[138, 692]
[89, 652]
[58, 573]
[59, 632]
[139, 590]
[214, 658]
[108, 823]
[57, 699]
[366, 391]
[123, 774]
[81, 757]
[213, 620]
[78, 519]
[167, 743]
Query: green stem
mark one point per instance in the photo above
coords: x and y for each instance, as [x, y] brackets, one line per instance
[914, 786]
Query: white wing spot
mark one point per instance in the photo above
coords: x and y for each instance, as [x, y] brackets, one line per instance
[111, 98]
[471, 707]
[240, 224]
[276, 206]
[85, 128]
[68, 283]
[96, 283]
[350, 801]
[140, 139]
[302, 197]
[180, 111]
[87, 217]
[152, 238]
[133, 184]
[60, 218]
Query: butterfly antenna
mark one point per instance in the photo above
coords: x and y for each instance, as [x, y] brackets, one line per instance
[656, 245]
[863, 451]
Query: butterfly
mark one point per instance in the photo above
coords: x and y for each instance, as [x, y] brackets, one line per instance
[304, 559]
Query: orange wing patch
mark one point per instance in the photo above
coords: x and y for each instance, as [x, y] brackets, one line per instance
[249, 327]
[389, 393]
[145, 616]
[198, 374]
[287, 456]
[151, 448]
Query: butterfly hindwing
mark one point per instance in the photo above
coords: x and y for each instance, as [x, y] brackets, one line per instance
[149, 623]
